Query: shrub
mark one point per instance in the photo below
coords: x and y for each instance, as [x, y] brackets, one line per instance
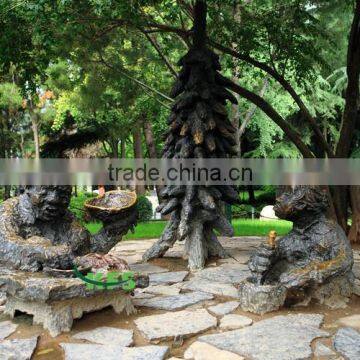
[77, 205]
[241, 211]
[144, 208]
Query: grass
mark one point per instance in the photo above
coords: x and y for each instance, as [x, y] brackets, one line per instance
[242, 227]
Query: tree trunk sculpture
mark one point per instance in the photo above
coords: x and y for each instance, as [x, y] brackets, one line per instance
[199, 128]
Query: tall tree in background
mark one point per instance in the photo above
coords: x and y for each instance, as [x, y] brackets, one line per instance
[199, 128]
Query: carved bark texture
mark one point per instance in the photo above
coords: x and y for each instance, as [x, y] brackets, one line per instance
[199, 128]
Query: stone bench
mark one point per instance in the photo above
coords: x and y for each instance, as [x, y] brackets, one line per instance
[56, 302]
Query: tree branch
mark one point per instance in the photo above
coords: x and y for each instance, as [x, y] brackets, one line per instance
[252, 109]
[156, 46]
[289, 131]
[285, 84]
[142, 84]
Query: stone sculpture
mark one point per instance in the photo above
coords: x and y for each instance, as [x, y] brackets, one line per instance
[199, 128]
[38, 231]
[313, 261]
[40, 242]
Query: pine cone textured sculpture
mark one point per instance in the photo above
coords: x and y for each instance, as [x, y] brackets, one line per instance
[199, 128]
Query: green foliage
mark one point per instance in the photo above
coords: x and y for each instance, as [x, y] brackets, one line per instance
[10, 96]
[77, 205]
[144, 208]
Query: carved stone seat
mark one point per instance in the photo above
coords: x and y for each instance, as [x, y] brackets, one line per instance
[56, 302]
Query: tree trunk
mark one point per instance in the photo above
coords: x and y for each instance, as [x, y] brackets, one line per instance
[35, 130]
[251, 193]
[123, 149]
[340, 199]
[138, 153]
[7, 189]
[150, 144]
[354, 233]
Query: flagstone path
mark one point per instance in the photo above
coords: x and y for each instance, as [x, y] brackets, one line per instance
[184, 315]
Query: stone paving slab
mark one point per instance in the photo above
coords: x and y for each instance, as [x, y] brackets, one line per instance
[183, 323]
[225, 274]
[173, 302]
[224, 308]
[211, 287]
[233, 321]
[106, 335]
[167, 278]
[164, 289]
[6, 329]
[202, 351]
[147, 269]
[18, 349]
[108, 352]
[322, 350]
[281, 337]
[347, 343]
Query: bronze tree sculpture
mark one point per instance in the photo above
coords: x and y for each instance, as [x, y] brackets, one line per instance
[199, 128]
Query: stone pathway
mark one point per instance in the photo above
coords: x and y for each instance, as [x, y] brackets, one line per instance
[107, 336]
[175, 324]
[195, 316]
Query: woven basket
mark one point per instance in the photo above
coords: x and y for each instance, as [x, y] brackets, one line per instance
[111, 206]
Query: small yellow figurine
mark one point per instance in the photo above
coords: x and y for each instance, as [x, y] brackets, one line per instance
[272, 238]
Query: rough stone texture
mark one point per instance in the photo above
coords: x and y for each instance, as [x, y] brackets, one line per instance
[173, 302]
[6, 329]
[113, 352]
[356, 289]
[260, 299]
[107, 336]
[140, 294]
[322, 350]
[356, 270]
[224, 308]
[211, 287]
[55, 308]
[147, 269]
[168, 277]
[164, 289]
[18, 349]
[232, 322]
[335, 293]
[350, 321]
[55, 302]
[174, 324]
[2, 298]
[202, 351]
[347, 343]
[282, 337]
[226, 274]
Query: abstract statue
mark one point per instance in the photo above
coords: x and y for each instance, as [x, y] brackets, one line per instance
[313, 261]
[199, 128]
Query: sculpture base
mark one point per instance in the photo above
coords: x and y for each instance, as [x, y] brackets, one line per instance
[260, 299]
[336, 293]
[55, 302]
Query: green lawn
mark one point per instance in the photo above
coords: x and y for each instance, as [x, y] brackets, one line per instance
[243, 227]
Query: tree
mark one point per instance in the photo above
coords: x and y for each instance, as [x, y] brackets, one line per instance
[199, 128]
